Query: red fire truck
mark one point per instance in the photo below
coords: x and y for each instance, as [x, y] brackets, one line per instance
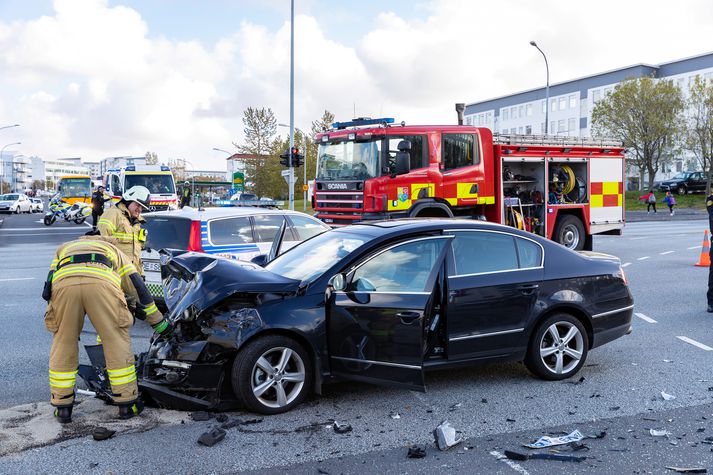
[564, 188]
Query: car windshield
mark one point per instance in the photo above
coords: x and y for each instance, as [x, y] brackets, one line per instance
[309, 260]
[348, 160]
[167, 232]
[156, 183]
[682, 176]
[9, 197]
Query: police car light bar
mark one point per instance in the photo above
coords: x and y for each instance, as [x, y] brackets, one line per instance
[362, 121]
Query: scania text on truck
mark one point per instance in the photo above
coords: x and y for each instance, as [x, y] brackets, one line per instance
[157, 178]
[564, 188]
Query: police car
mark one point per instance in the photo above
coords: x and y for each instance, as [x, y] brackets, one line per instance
[234, 233]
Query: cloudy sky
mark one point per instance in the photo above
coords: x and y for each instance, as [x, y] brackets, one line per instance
[98, 78]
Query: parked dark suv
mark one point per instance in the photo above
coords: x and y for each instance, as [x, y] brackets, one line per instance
[685, 182]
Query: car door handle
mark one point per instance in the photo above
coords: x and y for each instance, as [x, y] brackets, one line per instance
[407, 318]
[528, 289]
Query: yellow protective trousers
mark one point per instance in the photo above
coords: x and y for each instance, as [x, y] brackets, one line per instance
[103, 302]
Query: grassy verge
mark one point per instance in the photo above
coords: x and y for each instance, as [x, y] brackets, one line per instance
[694, 201]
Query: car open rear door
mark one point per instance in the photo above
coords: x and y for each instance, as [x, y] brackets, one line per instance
[375, 325]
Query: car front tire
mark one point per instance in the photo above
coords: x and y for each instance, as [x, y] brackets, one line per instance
[558, 348]
[681, 190]
[271, 375]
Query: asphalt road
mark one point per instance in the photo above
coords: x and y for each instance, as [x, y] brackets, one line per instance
[496, 407]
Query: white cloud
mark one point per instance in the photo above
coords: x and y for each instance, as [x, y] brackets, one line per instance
[93, 81]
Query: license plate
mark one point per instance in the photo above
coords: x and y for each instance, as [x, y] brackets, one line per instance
[152, 267]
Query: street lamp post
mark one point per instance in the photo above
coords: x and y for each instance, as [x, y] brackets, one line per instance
[9, 126]
[2, 161]
[292, 101]
[547, 89]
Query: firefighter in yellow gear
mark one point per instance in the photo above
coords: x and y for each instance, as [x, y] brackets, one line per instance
[124, 221]
[90, 276]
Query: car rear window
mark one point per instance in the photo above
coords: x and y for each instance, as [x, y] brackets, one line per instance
[231, 231]
[167, 232]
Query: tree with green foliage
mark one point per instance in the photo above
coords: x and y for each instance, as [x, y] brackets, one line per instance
[260, 128]
[646, 115]
[698, 137]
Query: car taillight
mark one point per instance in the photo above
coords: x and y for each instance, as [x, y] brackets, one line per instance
[194, 238]
[622, 275]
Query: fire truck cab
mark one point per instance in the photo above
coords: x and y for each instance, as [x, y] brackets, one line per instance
[564, 188]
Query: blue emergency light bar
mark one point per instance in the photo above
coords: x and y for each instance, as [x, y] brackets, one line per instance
[131, 168]
[362, 121]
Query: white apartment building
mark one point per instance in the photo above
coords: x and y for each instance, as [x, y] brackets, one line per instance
[571, 103]
[52, 170]
[16, 171]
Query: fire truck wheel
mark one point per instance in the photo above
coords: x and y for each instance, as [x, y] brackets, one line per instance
[569, 231]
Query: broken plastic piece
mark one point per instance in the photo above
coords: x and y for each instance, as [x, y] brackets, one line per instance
[564, 458]
[341, 428]
[688, 469]
[221, 418]
[102, 433]
[395, 415]
[667, 397]
[659, 433]
[209, 439]
[546, 441]
[201, 416]
[446, 436]
[416, 452]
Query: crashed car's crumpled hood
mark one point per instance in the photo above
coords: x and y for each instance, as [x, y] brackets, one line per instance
[202, 280]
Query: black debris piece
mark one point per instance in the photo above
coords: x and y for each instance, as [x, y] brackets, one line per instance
[615, 408]
[484, 401]
[571, 413]
[93, 464]
[341, 428]
[416, 452]
[595, 395]
[563, 458]
[599, 435]
[221, 418]
[238, 422]
[323, 471]
[577, 446]
[650, 419]
[201, 416]
[446, 436]
[688, 469]
[455, 406]
[579, 381]
[510, 420]
[212, 437]
[102, 433]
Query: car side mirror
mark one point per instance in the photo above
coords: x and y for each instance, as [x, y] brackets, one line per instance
[260, 260]
[338, 282]
[403, 158]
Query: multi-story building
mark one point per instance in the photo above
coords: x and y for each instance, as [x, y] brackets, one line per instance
[51, 170]
[15, 172]
[571, 103]
[119, 162]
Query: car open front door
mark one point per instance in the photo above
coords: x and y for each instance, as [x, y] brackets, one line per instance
[375, 321]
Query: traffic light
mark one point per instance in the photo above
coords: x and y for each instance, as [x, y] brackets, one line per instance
[297, 158]
[285, 159]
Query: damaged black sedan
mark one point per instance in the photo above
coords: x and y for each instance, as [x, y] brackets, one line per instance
[382, 303]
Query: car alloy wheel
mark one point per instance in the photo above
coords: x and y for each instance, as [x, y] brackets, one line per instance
[272, 374]
[558, 348]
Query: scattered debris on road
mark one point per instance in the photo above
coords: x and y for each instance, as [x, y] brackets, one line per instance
[212, 437]
[575, 383]
[688, 469]
[341, 428]
[102, 433]
[659, 433]
[416, 452]
[667, 397]
[563, 458]
[446, 436]
[201, 416]
[546, 441]
[395, 415]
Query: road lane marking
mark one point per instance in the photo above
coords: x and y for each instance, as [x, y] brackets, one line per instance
[626, 264]
[645, 318]
[638, 238]
[693, 247]
[695, 343]
[46, 229]
[643, 258]
[667, 252]
[18, 278]
[514, 465]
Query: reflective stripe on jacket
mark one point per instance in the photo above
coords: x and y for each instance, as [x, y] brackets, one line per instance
[116, 222]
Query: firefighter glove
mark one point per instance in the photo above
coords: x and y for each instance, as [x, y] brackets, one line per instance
[163, 328]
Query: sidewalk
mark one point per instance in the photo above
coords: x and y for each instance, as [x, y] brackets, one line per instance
[662, 215]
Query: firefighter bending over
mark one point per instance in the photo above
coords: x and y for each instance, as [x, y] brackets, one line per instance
[91, 275]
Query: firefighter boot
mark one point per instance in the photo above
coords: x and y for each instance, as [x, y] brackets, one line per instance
[131, 409]
[63, 414]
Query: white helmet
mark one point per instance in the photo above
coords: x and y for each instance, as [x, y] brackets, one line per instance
[139, 194]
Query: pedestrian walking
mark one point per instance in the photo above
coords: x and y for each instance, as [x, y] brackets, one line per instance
[670, 201]
[99, 197]
[185, 195]
[90, 276]
[650, 200]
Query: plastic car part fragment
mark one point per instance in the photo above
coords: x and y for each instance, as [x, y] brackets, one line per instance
[446, 436]
[341, 428]
[416, 452]
[209, 439]
[563, 458]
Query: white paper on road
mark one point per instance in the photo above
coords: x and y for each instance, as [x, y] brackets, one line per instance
[545, 441]
[667, 397]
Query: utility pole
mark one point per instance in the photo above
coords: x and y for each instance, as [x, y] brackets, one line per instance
[291, 179]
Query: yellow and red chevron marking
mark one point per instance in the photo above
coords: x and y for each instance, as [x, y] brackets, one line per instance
[162, 202]
[606, 194]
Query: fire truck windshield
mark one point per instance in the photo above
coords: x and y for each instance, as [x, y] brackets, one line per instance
[348, 160]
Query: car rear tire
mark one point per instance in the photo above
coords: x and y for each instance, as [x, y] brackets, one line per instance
[272, 375]
[558, 348]
[569, 231]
